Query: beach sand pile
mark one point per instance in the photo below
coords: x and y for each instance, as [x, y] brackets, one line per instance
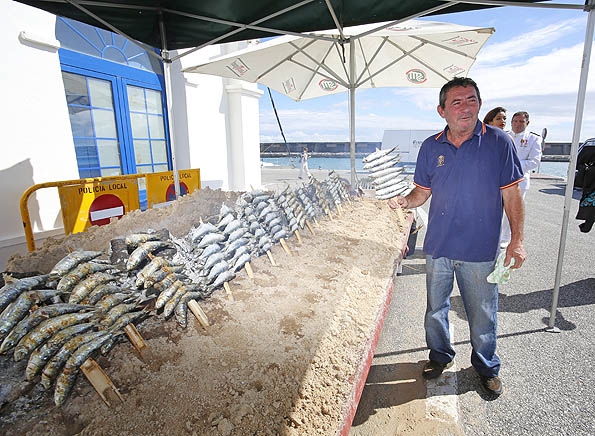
[280, 359]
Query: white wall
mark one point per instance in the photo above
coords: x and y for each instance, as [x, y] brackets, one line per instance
[204, 136]
[222, 123]
[37, 141]
[244, 134]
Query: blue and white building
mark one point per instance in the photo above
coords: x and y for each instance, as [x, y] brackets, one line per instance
[81, 102]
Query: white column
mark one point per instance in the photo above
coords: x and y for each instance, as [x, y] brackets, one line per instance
[243, 135]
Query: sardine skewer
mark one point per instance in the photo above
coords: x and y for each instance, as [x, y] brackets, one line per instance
[67, 378]
[52, 368]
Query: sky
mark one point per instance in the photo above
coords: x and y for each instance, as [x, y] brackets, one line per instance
[531, 63]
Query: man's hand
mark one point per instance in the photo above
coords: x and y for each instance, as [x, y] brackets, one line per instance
[401, 202]
[515, 250]
[515, 211]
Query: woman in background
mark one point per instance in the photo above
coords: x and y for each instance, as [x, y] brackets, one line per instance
[496, 117]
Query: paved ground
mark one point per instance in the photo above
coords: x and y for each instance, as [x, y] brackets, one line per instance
[548, 378]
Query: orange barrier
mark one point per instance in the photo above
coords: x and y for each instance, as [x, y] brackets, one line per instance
[25, 199]
[72, 197]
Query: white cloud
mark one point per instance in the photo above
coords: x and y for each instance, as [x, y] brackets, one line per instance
[523, 44]
[308, 125]
[425, 99]
[555, 73]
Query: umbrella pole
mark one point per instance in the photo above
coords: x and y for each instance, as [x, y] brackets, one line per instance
[352, 109]
[578, 119]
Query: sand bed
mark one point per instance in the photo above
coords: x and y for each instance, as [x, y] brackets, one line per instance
[279, 359]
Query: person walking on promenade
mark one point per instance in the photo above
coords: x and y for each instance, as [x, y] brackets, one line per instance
[471, 171]
[304, 163]
[496, 117]
[528, 149]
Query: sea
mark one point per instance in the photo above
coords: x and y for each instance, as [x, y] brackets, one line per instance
[557, 169]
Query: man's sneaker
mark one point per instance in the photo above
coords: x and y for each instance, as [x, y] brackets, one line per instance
[492, 385]
[433, 369]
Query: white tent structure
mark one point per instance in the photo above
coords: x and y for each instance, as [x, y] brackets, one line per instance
[131, 13]
[421, 54]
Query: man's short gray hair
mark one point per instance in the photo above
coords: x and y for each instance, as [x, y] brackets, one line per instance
[526, 114]
[457, 81]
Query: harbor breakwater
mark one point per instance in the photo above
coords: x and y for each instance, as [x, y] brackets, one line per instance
[553, 152]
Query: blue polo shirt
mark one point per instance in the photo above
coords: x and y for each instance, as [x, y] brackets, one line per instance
[466, 184]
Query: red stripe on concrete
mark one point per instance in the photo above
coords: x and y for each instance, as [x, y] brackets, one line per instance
[358, 379]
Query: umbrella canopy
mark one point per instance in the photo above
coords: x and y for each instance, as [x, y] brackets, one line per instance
[414, 53]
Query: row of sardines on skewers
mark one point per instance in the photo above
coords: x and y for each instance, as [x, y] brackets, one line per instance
[56, 321]
[216, 251]
[388, 178]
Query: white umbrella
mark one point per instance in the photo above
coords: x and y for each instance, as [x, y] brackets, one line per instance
[422, 54]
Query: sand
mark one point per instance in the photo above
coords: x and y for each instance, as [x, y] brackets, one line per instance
[278, 360]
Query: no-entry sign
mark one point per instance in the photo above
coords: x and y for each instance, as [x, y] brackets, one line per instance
[170, 193]
[160, 186]
[104, 208]
[90, 204]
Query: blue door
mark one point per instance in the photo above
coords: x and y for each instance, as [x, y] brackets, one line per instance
[116, 102]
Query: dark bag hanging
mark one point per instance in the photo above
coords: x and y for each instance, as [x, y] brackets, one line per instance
[580, 176]
[586, 208]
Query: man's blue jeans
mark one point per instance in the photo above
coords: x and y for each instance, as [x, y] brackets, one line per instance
[480, 299]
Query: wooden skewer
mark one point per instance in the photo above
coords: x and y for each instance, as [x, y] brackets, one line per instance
[271, 258]
[228, 291]
[200, 315]
[297, 235]
[135, 337]
[248, 269]
[329, 214]
[100, 381]
[309, 226]
[200, 219]
[285, 247]
[316, 222]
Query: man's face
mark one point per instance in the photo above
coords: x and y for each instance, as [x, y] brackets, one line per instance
[461, 108]
[519, 123]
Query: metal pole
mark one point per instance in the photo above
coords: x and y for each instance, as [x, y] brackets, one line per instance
[352, 109]
[578, 119]
[170, 119]
[170, 110]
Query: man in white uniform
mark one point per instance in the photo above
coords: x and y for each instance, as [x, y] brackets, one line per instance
[528, 149]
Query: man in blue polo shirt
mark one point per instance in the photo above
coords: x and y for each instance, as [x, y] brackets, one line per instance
[470, 169]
